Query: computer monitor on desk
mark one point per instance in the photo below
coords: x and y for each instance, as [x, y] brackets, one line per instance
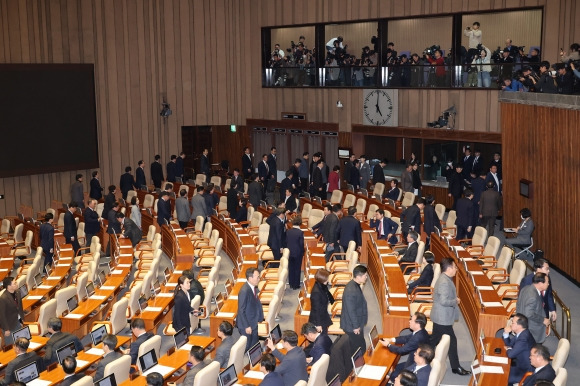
[97, 334]
[374, 337]
[228, 377]
[358, 361]
[180, 338]
[255, 354]
[27, 373]
[107, 381]
[66, 351]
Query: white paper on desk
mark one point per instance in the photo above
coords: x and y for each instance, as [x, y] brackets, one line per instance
[225, 314]
[391, 265]
[394, 295]
[314, 254]
[509, 230]
[383, 247]
[305, 313]
[254, 374]
[95, 351]
[34, 297]
[97, 297]
[495, 359]
[398, 308]
[34, 345]
[38, 382]
[476, 272]
[63, 265]
[163, 370]
[317, 267]
[81, 363]
[74, 316]
[181, 235]
[240, 279]
[165, 295]
[485, 288]
[117, 272]
[65, 258]
[248, 245]
[4, 270]
[6, 259]
[153, 309]
[233, 297]
[44, 287]
[54, 278]
[107, 288]
[372, 372]
[171, 285]
[186, 347]
[178, 272]
[492, 304]
[123, 265]
[458, 248]
[491, 369]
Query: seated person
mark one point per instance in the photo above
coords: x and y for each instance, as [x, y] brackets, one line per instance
[523, 231]
[540, 359]
[292, 366]
[57, 340]
[268, 367]
[141, 335]
[385, 227]
[406, 378]
[110, 355]
[229, 336]
[409, 342]
[69, 366]
[426, 274]
[518, 344]
[154, 379]
[22, 359]
[320, 343]
[196, 357]
[410, 254]
[242, 213]
[394, 192]
[422, 366]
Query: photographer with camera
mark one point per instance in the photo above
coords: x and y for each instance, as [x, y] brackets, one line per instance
[278, 51]
[474, 34]
[333, 44]
[437, 73]
[534, 59]
[510, 84]
[506, 63]
[574, 54]
[564, 79]
[482, 62]
[529, 79]
[416, 67]
[546, 83]
[576, 72]
[513, 51]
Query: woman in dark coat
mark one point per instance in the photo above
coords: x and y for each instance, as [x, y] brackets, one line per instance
[233, 202]
[182, 305]
[320, 297]
[426, 274]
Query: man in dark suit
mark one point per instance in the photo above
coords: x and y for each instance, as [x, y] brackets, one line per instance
[411, 218]
[91, 219]
[273, 163]
[393, 192]
[69, 366]
[456, 184]
[477, 165]
[467, 165]
[385, 227]
[286, 184]
[530, 304]
[196, 357]
[22, 359]
[328, 227]
[408, 344]
[295, 243]
[96, 191]
[141, 335]
[317, 186]
[540, 359]
[493, 176]
[268, 368]
[198, 205]
[140, 180]
[171, 168]
[109, 201]
[407, 179]
[47, 238]
[320, 343]
[354, 316]
[349, 229]
[113, 225]
[519, 341]
[542, 265]
[422, 366]
[292, 365]
[496, 161]
[250, 310]
[477, 187]
[163, 209]
[489, 206]
[157, 172]
[130, 230]
[247, 164]
[410, 254]
[229, 337]
[255, 191]
[289, 201]
[127, 182]
[110, 355]
[204, 165]
[76, 191]
[70, 227]
[237, 181]
[378, 174]
[179, 170]
[277, 234]
[57, 340]
[430, 219]
[11, 311]
[264, 170]
[464, 213]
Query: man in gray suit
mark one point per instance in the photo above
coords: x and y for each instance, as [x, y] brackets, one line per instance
[354, 314]
[250, 311]
[229, 337]
[445, 312]
[292, 366]
[365, 172]
[196, 357]
[198, 204]
[182, 208]
[489, 206]
[530, 304]
[109, 345]
[407, 179]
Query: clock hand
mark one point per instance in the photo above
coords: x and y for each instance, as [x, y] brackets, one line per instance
[379, 111]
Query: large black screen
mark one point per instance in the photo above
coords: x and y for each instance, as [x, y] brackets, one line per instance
[47, 118]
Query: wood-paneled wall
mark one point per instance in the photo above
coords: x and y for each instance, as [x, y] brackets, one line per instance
[540, 144]
[203, 57]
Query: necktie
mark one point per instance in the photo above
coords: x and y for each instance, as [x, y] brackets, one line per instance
[256, 292]
[380, 228]
[543, 302]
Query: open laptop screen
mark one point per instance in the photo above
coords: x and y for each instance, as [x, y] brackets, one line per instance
[228, 377]
[335, 381]
[72, 303]
[90, 289]
[65, 351]
[97, 335]
[24, 332]
[107, 381]
[180, 338]
[358, 360]
[276, 334]
[23, 291]
[148, 360]
[374, 337]
[27, 373]
[255, 354]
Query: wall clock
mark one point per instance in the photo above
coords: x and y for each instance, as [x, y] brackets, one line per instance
[378, 108]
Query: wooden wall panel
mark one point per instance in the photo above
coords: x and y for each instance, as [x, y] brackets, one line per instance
[539, 144]
[204, 57]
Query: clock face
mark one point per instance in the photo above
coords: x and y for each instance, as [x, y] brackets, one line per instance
[377, 108]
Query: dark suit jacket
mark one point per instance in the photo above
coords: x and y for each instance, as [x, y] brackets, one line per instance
[263, 171]
[378, 174]
[411, 216]
[295, 243]
[320, 346]
[329, 228]
[190, 377]
[179, 167]
[409, 343]
[489, 178]
[354, 177]
[250, 310]
[110, 357]
[354, 308]
[156, 172]
[477, 166]
[349, 229]
[242, 214]
[72, 379]
[204, 165]
[478, 187]
[96, 191]
[320, 297]
[464, 212]
[467, 166]
[549, 304]
[126, 183]
[489, 203]
[255, 191]
[56, 341]
[232, 202]
[170, 171]
[546, 373]
[393, 194]
[290, 203]
[238, 183]
[292, 366]
[47, 237]
[10, 310]
[181, 310]
[132, 231]
[113, 223]
[272, 164]
[389, 227]
[92, 224]
[70, 226]
[272, 379]
[285, 184]
[163, 211]
[519, 354]
[422, 374]
[424, 279]
[222, 354]
[108, 205]
[530, 304]
[21, 361]
[276, 236]
[247, 167]
[411, 253]
[317, 181]
[140, 180]
[456, 184]
[134, 350]
[430, 220]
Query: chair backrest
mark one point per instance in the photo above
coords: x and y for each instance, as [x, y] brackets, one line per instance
[316, 215]
[209, 290]
[450, 223]
[336, 197]
[29, 277]
[561, 377]
[349, 201]
[62, 295]
[440, 211]
[5, 226]
[306, 210]
[408, 199]
[207, 375]
[361, 205]
[194, 318]
[492, 246]
[353, 261]
[148, 201]
[155, 205]
[150, 232]
[442, 348]
[272, 309]
[146, 285]
[199, 179]
[318, 371]
[28, 239]
[263, 232]
[81, 285]
[134, 299]
[18, 232]
[217, 181]
[256, 219]
[237, 354]
[153, 343]
[87, 380]
[505, 258]
[420, 252]
[436, 274]
[207, 230]
[479, 236]
[371, 212]
[215, 235]
[518, 272]
[118, 315]
[379, 189]
[561, 354]
[47, 311]
[120, 367]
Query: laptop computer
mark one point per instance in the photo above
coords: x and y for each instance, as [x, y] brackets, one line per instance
[358, 361]
[65, 351]
[24, 332]
[37, 279]
[374, 337]
[180, 338]
[228, 377]
[155, 288]
[48, 269]
[97, 335]
[27, 373]
[255, 354]
[335, 381]
[276, 334]
[72, 303]
[107, 381]
[142, 303]
[90, 289]
[23, 291]
[148, 363]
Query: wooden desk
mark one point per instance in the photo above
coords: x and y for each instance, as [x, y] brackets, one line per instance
[488, 379]
[153, 317]
[176, 244]
[490, 319]
[29, 226]
[6, 357]
[228, 313]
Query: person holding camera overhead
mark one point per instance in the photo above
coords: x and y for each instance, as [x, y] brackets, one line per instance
[482, 63]
[438, 62]
[474, 35]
